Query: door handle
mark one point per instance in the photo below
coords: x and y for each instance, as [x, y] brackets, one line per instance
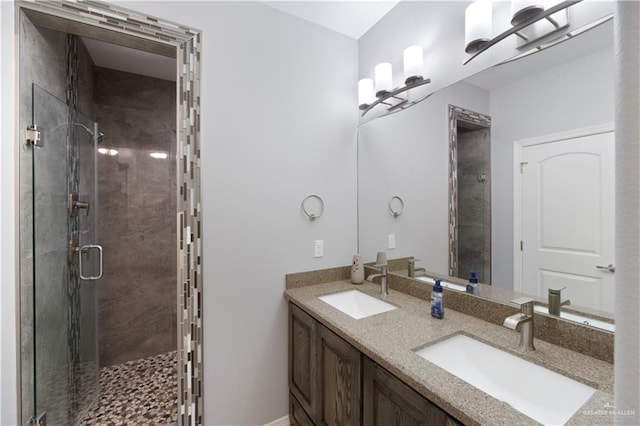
[610, 267]
[87, 249]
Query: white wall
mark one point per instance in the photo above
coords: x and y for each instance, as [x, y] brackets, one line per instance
[279, 120]
[278, 123]
[574, 95]
[8, 225]
[407, 154]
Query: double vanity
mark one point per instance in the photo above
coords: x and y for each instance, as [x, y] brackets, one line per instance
[357, 357]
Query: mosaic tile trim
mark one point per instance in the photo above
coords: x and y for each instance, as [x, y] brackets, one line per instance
[73, 224]
[187, 43]
[455, 114]
[137, 392]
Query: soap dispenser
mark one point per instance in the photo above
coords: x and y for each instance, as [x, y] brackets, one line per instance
[472, 286]
[437, 308]
[357, 270]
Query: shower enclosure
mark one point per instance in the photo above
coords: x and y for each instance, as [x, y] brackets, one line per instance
[66, 260]
[469, 194]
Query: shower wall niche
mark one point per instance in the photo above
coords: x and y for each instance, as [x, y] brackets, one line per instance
[137, 222]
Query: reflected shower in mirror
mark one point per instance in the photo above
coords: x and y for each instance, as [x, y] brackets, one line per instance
[564, 91]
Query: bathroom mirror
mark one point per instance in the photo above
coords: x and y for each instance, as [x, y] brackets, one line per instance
[561, 93]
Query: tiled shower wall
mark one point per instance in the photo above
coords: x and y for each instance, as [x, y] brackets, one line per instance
[136, 222]
[474, 203]
[43, 62]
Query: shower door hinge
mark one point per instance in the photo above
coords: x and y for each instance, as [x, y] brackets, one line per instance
[41, 420]
[521, 246]
[34, 136]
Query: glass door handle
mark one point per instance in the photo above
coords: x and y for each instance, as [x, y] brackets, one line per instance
[87, 249]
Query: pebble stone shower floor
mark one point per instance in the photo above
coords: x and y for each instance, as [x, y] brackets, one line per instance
[140, 392]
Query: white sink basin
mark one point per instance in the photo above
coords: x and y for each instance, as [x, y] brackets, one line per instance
[545, 396]
[579, 319]
[450, 286]
[356, 304]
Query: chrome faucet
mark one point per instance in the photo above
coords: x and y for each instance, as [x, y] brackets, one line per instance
[412, 268]
[524, 320]
[555, 303]
[384, 290]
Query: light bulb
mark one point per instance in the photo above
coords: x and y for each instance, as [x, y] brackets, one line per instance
[477, 25]
[384, 75]
[413, 64]
[365, 92]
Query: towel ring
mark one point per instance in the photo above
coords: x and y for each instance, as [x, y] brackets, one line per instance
[312, 216]
[396, 212]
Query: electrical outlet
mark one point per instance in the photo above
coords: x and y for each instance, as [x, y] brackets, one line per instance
[392, 241]
[318, 248]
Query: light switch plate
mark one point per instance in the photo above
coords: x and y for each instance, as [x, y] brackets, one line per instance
[392, 241]
[318, 248]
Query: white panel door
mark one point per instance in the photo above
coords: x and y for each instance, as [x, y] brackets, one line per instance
[568, 219]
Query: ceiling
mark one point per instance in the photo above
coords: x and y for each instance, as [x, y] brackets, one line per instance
[115, 57]
[351, 18]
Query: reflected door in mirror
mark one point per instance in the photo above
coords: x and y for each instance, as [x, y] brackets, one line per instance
[568, 219]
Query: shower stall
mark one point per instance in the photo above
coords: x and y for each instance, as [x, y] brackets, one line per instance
[67, 259]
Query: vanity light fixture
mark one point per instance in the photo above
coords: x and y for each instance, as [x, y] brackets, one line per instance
[531, 21]
[159, 155]
[384, 91]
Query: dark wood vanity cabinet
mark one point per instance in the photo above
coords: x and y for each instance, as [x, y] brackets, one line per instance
[324, 374]
[388, 401]
[338, 381]
[332, 383]
[302, 360]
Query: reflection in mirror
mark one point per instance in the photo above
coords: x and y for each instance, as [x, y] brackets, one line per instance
[554, 95]
[469, 194]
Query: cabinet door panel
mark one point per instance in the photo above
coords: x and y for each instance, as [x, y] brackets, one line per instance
[297, 416]
[388, 401]
[339, 369]
[302, 358]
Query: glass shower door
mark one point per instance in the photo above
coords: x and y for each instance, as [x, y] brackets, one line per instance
[64, 224]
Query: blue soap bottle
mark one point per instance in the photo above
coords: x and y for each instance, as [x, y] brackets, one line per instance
[437, 309]
[472, 286]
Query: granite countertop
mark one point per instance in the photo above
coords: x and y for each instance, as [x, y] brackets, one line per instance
[390, 339]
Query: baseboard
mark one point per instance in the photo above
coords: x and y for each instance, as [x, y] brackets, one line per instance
[283, 421]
